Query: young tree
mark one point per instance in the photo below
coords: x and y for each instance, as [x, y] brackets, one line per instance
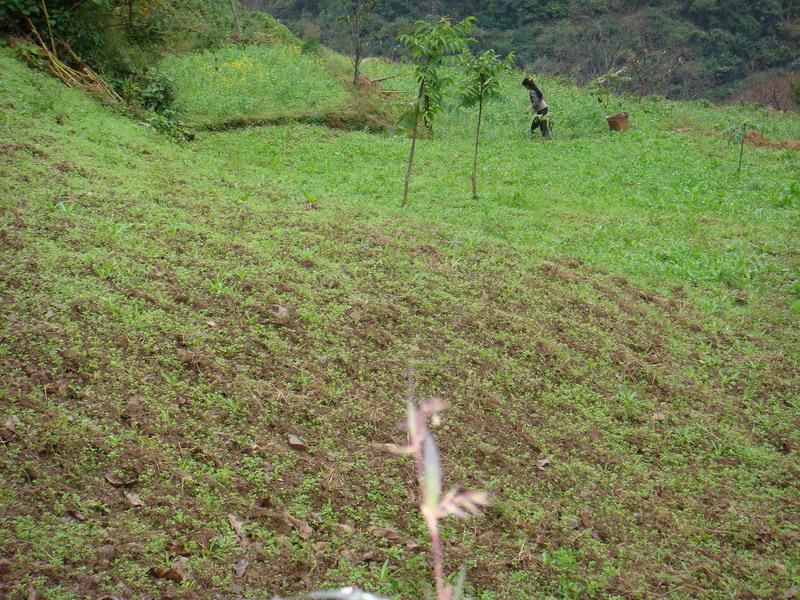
[430, 46]
[483, 82]
[435, 505]
[737, 134]
[603, 86]
[355, 23]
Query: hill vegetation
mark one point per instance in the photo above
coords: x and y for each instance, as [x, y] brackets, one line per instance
[251, 83]
[205, 341]
[682, 49]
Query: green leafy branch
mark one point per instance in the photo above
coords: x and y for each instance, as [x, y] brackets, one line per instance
[601, 87]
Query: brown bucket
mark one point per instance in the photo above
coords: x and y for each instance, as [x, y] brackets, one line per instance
[618, 122]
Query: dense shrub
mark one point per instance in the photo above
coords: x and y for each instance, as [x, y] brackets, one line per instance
[259, 27]
[311, 46]
[12, 9]
[156, 92]
[122, 38]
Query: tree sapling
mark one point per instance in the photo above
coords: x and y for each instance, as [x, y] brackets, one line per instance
[737, 134]
[434, 505]
[355, 23]
[430, 46]
[482, 83]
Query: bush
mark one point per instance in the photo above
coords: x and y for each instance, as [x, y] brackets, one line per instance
[11, 9]
[166, 122]
[311, 46]
[156, 93]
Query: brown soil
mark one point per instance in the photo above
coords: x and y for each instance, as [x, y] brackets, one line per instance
[757, 139]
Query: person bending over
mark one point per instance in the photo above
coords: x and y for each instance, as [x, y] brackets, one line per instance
[538, 105]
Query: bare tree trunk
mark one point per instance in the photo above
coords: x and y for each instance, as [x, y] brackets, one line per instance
[475, 157]
[236, 21]
[357, 62]
[355, 27]
[361, 9]
[410, 159]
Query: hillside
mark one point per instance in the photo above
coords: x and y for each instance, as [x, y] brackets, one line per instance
[681, 48]
[247, 83]
[613, 324]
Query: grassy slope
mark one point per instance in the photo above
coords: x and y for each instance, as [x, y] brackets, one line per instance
[251, 83]
[171, 313]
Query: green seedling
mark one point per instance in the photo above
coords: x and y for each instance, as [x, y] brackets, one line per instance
[736, 135]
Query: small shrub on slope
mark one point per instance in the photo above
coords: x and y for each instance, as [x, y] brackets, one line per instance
[156, 93]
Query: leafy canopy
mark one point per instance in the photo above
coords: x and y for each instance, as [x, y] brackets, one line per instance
[483, 77]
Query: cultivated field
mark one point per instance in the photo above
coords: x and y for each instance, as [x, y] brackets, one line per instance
[613, 324]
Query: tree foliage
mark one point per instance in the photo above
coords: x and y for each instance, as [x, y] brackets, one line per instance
[483, 79]
[430, 47]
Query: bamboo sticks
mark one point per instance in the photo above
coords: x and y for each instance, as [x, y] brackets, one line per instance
[83, 77]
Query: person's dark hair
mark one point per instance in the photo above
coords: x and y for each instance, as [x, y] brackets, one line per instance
[531, 85]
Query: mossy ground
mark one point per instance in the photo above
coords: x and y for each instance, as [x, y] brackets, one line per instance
[620, 306]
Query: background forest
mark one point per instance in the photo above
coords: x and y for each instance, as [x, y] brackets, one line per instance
[683, 49]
